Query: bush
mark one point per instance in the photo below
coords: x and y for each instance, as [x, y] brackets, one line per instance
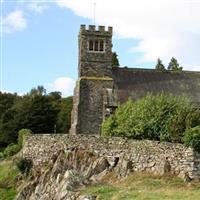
[192, 138]
[11, 150]
[24, 165]
[21, 134]
[1, 156]
[155, 117]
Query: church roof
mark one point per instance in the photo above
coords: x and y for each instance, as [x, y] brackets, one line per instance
[136, 83]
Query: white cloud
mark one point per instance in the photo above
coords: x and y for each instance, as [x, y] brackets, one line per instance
[164, 28]
[37, 7]
[14, 21]
[63, 84]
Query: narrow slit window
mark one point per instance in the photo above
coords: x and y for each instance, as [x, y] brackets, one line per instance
[96, 46]
[91, 45]
[101, 46]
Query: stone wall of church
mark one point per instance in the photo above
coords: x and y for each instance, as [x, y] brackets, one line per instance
[89, 114]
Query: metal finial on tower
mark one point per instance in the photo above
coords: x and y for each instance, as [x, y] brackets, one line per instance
[94, 12]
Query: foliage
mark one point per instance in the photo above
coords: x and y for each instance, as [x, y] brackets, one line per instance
[36, 110]
[192, 138]
[159, 66]
[8, 179]
[21, 134]
[115, 61]
[6, 101]
[64, 116]
[24, 165]
[11, 150]
[155, 117]
[144, 186]
[174, 65]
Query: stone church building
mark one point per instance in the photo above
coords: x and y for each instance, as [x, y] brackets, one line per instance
[100, 88]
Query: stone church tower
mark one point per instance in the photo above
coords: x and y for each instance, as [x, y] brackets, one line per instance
[95, 58]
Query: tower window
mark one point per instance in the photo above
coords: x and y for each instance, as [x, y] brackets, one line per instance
[90, 45]
[101, 47]
[95, 45]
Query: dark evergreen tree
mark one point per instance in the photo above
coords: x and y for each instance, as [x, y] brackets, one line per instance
[64, 116]
[174, 65]
[37, 111]
[40, 90]
[6, 101]
[115, 61]
[159, 65]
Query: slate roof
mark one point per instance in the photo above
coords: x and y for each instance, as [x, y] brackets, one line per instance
[136, 83]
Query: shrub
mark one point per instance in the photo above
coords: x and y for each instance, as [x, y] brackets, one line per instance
[24, 165]
[21, 134]
[192, 138]
[156, 117]
[11, 150]
[1, 156]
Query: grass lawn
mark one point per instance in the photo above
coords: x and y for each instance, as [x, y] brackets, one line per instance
[8, 174]
[140, 186]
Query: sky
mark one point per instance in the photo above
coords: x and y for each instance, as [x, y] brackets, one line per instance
[39, 38]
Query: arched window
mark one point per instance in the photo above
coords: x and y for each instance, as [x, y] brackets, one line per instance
[91, 45]
[101, 47]
[96, 46]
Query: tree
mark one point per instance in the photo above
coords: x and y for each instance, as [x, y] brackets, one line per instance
[174, 65]
[36, 110]
[42, 115]
[6, 101]
[156, 117]
[40, 90]
[115, 61]
[8, 128]
[64, 116]
[159, 65]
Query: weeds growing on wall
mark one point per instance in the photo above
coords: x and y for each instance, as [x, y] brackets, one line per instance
[156, 117]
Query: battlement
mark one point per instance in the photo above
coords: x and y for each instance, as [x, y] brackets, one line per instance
[92, 29]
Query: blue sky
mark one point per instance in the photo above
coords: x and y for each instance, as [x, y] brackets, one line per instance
[40, 47]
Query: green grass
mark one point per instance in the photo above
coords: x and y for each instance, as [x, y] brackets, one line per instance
[8, 175]
[146, 187]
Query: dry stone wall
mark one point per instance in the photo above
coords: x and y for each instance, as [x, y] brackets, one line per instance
[150, 156]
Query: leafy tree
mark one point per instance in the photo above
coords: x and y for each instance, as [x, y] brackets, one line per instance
[156, 117]
[36, 110]
[6, 101]
[115, 61]
[8, 128]
[40, 90]
[159, 65]
[174, 65]
[192, 138]
[64, 116]
[42, 115]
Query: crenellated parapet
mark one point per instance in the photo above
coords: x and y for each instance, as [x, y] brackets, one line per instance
[95, 30]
